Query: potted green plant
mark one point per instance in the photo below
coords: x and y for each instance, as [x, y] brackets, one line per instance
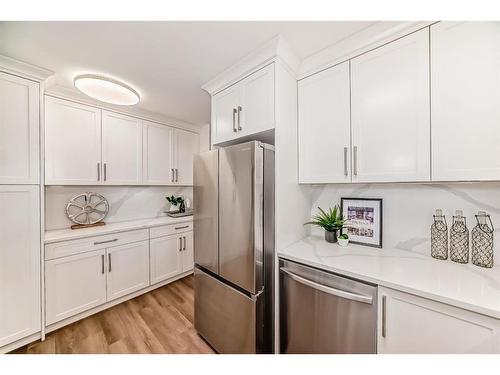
[343, 240]
[174, 201]
[331, 221]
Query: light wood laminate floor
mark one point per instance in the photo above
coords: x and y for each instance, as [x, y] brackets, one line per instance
[160, 321]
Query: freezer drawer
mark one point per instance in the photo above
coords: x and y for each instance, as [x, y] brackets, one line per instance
[325, 313]
[225, 317]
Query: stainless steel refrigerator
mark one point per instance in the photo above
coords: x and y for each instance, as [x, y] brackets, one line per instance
[234, 247]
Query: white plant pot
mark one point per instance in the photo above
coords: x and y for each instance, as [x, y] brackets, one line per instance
[343, 242]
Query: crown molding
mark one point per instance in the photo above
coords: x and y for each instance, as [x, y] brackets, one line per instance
[63, 92]
[23, 69]
[276, 49]
[363, 41]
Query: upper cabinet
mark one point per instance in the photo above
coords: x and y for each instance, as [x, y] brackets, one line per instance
[324, 126]
[245, 108]
[465, 83]
[390, 112]
[85, 145]
[121, 149]
[19, 130]
[72, 143]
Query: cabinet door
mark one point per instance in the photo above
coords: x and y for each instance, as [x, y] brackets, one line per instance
[256, 105]
[72, 143]
[166, 257]
[390, 111]
[121, 149]
[158, 154]
[224, 110]
[187, 252]
[465, 87]
[74, 284]
[415, 325]
[187, 145]
[19, 130]
[128, 269]
[324, 126]
[19, 262]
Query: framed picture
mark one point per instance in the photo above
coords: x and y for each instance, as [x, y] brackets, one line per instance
[364, 220]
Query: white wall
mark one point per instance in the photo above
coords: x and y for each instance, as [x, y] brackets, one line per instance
[408, 208]
[126, 202]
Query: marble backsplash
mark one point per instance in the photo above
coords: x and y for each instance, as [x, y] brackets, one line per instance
[408, 208]
[126, 202]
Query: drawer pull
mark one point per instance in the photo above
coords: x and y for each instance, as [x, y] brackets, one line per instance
[184, 227]
[108, 241]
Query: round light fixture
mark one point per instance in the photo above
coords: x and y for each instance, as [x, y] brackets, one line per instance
[106, 89]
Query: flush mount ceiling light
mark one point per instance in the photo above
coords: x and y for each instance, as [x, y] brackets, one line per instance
[106, 89]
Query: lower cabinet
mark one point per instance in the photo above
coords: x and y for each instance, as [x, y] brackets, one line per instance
[411, 324]
[74, 284]
[80, 282]
[171, 255]
[128, 269]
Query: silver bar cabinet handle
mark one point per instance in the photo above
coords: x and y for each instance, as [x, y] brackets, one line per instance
[180, 243]
[107, 241]
[384, 314]
[176, 175]
[345, 161]
[184, 227]
[173, 174]
[98, 171]
[184, 243]
[102, 264]
[327, 289]
[234, 120]
[109, 262]
[239, 122]
[105, 171]
[355, 161]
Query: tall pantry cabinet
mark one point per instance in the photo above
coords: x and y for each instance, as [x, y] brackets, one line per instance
[20, 222]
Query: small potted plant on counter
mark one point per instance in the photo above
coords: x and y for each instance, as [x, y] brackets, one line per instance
[343, 240]
[331, 221]
[174, 201]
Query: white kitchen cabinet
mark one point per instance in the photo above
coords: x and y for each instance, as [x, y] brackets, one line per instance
[187, 144]
[158, 151]
[390, 111]
[465, 92]
[121, 149]
[127, 269]
[247, 107]
[72, 143]
[19, 130]
[224, 110]
[255, 111]
[19, 262]
[74, 284]
[187, 252]
[415, 325]
[166, 257]
[324, 126]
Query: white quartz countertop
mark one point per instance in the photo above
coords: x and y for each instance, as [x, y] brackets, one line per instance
[466, 286]
[72, 234]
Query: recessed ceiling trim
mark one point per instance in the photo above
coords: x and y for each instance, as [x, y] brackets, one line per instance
[106, 89]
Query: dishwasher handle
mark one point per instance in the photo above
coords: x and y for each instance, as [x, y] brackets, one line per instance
[327, 289]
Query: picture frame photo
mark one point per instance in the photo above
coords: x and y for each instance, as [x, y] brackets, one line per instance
[363, 220]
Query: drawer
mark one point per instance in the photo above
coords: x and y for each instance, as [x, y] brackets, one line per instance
[168, 230]
[71, 247]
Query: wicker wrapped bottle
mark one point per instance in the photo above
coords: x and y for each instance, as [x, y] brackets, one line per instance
[439, 236]
[459, 239]
[482, 241]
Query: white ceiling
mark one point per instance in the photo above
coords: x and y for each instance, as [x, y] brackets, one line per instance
[167, 62]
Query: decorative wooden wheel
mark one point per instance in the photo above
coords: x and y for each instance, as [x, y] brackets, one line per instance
[87, 208]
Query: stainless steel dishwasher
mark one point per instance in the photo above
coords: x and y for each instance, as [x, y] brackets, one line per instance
[321, 312]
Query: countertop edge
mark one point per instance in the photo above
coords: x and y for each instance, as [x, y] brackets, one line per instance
[399, 287]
